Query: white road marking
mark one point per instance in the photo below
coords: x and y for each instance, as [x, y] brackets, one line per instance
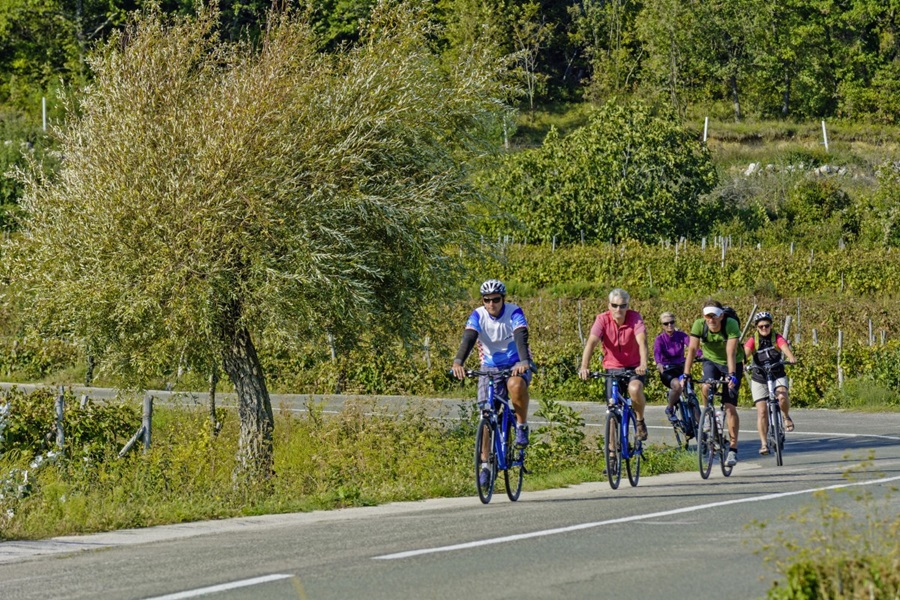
[222, 587]
[580, 526]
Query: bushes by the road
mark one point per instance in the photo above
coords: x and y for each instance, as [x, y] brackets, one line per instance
[839, 552]
[358, 457]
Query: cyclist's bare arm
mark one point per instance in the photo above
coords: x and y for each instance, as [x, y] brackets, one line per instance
[641, 338]
[693, 346]
[584, 372]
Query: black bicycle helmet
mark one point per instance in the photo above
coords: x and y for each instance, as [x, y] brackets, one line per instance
[762, 316]
[493, 286]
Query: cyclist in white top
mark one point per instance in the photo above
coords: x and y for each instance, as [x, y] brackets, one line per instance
[501, 332]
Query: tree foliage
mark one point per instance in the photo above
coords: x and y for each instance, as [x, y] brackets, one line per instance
[214, 193]
[628, 174]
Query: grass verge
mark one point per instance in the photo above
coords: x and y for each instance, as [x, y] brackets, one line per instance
[354, 458]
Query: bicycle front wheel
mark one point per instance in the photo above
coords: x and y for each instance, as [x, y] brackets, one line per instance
[515, 465]
[724, 446]
[706, 434]
[485, 467]
[613, 445]
[776, 429]
[635, 447]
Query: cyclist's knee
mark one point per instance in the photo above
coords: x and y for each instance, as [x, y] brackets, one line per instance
[516, 385]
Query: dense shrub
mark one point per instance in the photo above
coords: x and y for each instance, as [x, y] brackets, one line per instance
[29, 424]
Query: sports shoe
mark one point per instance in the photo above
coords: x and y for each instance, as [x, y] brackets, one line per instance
[670, 412]
[521, 436]
[731, 460]
[641, 431]
[485, 478]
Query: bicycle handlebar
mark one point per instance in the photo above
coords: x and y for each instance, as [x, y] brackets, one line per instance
[503, 373]
[723, 381]
[608, 375]
[769, 367]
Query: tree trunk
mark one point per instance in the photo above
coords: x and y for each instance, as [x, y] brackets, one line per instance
[786, 98]
[735, 99]
[213, 384]
[255, 453]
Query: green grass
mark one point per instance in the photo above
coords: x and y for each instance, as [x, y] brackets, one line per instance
[864, 395]
[321, 462]
[834, 549]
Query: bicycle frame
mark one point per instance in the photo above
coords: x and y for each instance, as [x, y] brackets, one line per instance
[619, 409]
[689, 420]
[708, 447]
[775, 433]
[502, 415]
[622, 407]
[496, 452]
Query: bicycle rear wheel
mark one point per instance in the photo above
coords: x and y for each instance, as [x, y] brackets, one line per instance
[485, 489]
[776, 431]
[680, 435]
[635, 447]
[515, 465]
[706, 433]
[612, 443]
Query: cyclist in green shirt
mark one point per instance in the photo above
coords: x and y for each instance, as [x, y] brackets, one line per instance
[719, 337]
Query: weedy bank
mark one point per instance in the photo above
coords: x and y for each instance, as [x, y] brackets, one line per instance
[354, 458]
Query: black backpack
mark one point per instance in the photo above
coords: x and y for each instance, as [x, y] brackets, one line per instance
[728, 313]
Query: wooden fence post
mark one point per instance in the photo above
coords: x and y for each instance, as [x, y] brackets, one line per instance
[580, 333]
[747, 322]
[60, 411]
[840, 371]
[147, 420]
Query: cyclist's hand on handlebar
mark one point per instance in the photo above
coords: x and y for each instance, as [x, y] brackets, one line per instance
[458, 371]
[584, 373]
[684, 378]
[520, 368]
[732, 380]
[641, 370]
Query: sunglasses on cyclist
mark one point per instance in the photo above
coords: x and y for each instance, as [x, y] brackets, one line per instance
[763, 325]
[493, 300]
[668, 323]
[618, 305]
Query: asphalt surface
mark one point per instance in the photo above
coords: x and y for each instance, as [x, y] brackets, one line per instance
[672, 536]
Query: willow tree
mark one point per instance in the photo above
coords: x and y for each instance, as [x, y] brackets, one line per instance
[213, 195]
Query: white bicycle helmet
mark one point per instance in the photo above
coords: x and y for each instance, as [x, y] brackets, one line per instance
[493, 286]
[762, 316]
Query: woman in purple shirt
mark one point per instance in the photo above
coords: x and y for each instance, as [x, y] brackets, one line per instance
[668, 352]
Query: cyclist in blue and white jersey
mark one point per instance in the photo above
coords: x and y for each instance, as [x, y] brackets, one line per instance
[501, 332]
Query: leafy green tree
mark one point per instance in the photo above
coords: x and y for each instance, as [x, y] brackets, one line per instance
[628, 174]
[667, 30]
[605, 33]
[214, 195]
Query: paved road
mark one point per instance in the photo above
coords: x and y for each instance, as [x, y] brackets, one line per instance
[674, 536]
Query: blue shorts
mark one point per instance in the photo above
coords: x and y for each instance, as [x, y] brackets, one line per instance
[484, 380]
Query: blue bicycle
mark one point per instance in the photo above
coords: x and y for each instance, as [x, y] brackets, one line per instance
[495, 448]
[621, 439]
[688, 411]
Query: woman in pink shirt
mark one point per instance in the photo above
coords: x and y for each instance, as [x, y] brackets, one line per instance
[767, 347]
[624, 346]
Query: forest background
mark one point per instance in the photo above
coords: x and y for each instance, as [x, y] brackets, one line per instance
[760, 167]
